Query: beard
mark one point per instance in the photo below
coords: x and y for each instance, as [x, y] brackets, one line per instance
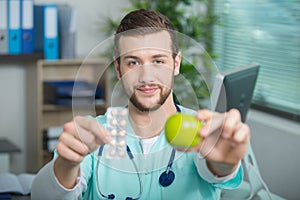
[165, 91]
[163, 96]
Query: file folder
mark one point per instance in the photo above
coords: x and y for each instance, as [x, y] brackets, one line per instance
[14, 26]
[3, 27]
[63, 93]
[67, 31]
[38, 30]
[51, 40]
[27, 27]
[46, 37]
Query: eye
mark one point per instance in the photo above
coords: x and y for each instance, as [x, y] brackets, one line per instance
[158, 62]
[133, 63]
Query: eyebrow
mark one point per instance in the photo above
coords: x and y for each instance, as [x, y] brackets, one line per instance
[131, 57]
[154, 56]
[160, 56]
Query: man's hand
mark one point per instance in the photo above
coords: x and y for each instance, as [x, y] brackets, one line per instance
[225, 140]
[80, 137]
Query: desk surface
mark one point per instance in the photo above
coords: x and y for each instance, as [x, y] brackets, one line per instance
[7, 146]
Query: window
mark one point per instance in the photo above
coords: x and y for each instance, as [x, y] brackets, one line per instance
[266, 32]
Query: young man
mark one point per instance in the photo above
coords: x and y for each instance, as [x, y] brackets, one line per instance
[146, 60]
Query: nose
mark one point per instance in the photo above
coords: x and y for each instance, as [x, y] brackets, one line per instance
[146, 73]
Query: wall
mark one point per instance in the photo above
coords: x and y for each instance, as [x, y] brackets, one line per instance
[276, 145]
[12, 110]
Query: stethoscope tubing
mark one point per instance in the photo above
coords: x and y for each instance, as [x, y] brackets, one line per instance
[165, 179]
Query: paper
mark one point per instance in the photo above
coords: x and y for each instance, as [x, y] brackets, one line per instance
[18, 184]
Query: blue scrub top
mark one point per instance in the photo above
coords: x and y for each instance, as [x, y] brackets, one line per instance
[119, 177]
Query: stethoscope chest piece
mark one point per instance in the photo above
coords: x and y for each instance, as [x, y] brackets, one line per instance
[166, 178]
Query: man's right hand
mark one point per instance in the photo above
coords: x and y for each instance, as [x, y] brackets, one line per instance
[80, 137]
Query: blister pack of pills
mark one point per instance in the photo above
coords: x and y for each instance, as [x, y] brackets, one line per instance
[116, 127]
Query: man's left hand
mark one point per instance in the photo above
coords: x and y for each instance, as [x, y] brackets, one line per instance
[225, 140]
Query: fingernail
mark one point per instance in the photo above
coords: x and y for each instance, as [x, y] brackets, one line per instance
[203, 131]
[200, 116]
[107, 139]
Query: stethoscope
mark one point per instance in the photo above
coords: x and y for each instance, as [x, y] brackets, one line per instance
[165, 179]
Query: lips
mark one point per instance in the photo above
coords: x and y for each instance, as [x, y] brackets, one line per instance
[148, 89]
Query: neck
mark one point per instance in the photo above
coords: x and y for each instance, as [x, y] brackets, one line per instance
[150, 124]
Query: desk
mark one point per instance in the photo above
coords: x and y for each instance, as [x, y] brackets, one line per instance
[6, 148]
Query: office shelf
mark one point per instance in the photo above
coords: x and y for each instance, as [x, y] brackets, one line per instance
[41, 116]
[22, 57]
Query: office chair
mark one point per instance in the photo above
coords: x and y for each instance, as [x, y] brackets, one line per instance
[252, 182]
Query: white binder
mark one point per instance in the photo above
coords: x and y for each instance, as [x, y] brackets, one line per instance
[3, 27]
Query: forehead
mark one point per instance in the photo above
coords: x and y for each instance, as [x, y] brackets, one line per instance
[158, 41]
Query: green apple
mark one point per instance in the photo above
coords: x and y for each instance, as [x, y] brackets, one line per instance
[182, 130]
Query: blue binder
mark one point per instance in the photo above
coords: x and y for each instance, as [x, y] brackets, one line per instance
[14, 27]
[27, 27]
[46, 31]
[51, 40]
[38, 30]
[68, 92]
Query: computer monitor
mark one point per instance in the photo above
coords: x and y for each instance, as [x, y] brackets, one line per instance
[234, 89]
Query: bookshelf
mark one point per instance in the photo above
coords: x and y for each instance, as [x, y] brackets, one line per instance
[41, 116]
[21, 57]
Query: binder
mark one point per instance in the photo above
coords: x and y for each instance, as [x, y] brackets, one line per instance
[3, 27]
[46, 37]
[27, 27]
[14, 27]
[38, 30]
[51, 39]
[67, 31]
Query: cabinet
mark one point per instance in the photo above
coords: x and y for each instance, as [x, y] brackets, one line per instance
[41, 116]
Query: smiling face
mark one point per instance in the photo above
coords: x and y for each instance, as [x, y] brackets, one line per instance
[147, 68]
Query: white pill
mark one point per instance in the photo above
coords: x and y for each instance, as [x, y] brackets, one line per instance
[112, 152]
[114, 112]
[123, 123]
[113, 122]
[121, 143]
[123, 112]
[113, 132]
[113, 142]
[121, 153]
[122, 133]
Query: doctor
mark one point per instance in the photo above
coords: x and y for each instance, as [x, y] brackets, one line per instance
[146, 61]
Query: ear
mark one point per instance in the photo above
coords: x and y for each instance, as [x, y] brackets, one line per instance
[117, 68]
[177, 62]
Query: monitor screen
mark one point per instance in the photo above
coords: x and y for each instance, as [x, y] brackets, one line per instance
[234, 89]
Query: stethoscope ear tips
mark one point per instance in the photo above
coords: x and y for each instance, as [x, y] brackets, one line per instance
[111, 196]
[166, 178]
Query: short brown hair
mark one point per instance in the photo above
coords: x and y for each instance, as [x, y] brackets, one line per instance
[142, 22]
